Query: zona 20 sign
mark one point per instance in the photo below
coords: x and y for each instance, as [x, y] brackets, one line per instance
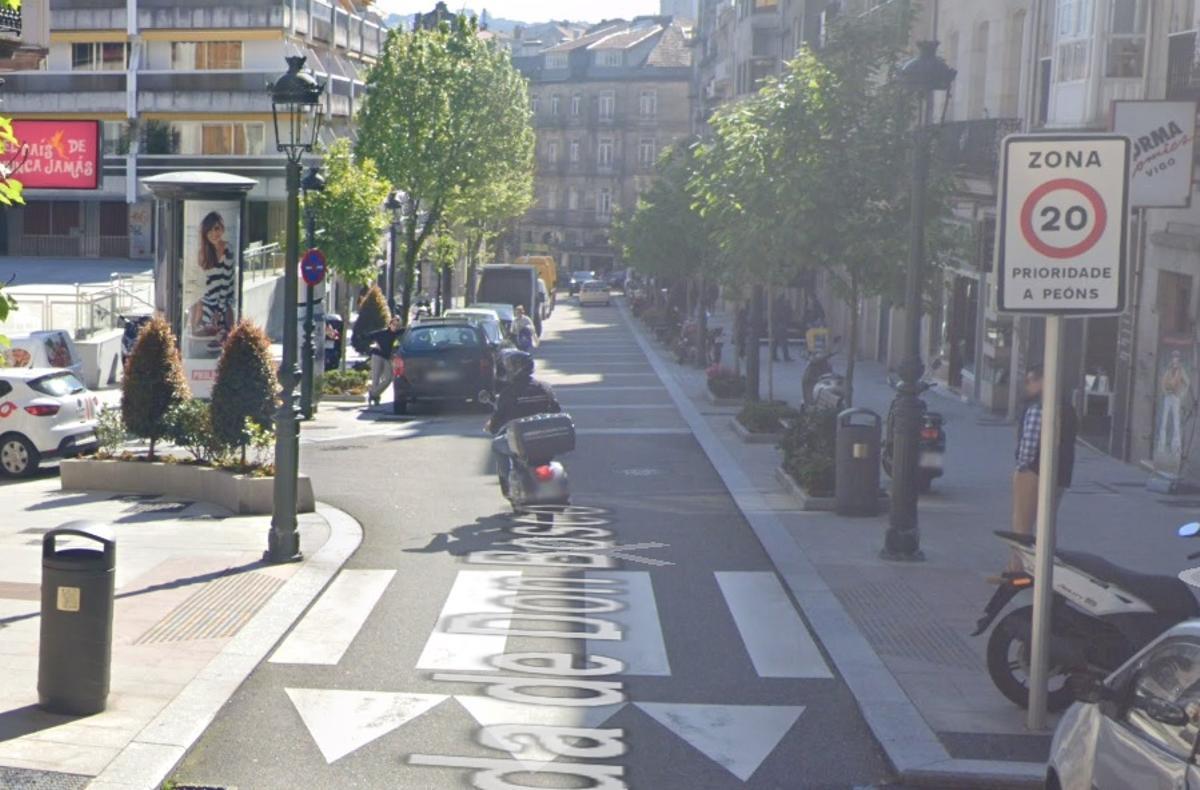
[1063, 224]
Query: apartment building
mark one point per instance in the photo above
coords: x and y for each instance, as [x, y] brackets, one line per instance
[175, 87]
[24, 35]
[604, 105]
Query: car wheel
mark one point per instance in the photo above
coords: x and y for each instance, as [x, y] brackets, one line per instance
[18, 457]
[400, 406]
[1008, 663]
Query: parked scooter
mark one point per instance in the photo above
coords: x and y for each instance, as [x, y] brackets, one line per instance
[1102, 615]
[931, 461]
[533, 476]
[821, 386]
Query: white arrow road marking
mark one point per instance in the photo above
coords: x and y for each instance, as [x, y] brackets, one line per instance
[775, 637]
[641, 647]
[736, 737]
[325, 633]
[474, 592]
[341, 722]
[492, 712]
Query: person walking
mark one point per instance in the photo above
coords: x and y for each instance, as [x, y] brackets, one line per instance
[383, 346]
[524, 331]
[1028, 457]
[781, 320]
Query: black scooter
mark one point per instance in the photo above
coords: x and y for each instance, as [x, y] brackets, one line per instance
[822, 387]
[532, 476]
[931, 461]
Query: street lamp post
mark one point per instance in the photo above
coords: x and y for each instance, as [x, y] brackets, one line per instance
[296, 110]
[924, 75]
[395, 204]
[313, 182]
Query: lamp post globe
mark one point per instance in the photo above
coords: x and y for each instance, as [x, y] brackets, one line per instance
[924, 75]
[296, 111]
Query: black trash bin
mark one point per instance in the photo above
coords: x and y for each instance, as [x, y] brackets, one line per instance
[859, 433]
[75, 653]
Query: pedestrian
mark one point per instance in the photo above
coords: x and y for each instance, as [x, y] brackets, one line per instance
[383, 346]
[1028, 456]
[523, 330]
[781, 321]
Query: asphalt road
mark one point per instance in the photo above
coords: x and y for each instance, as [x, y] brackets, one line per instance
[704, 673]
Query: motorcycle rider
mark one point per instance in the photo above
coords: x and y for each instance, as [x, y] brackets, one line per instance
[522, 396]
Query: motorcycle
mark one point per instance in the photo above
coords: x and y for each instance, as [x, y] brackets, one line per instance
[1102, 615]
[532, 476]
[932, 442]
[821, 386]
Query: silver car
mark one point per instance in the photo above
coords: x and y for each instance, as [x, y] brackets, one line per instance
[1136, 730]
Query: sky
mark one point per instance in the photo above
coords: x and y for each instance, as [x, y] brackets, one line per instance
[533, 10]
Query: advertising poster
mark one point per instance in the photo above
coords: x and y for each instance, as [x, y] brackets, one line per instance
[141, 220]
[58, 154]
[1163, 134]
[211, 258]
[1175, 407]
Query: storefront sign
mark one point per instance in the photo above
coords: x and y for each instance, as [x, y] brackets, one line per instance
[58, 154]
[1163, 134]
[211, 234]
[1063, 224]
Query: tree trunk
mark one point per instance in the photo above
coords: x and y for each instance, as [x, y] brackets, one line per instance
[343, 309]
[753, 352]
[702, 330]
[852, 346]
[771, 343]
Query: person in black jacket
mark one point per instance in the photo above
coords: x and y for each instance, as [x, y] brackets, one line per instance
[523, 396]
[383, 347]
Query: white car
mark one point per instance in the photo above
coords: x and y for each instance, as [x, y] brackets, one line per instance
[1138, 728]
[44, 413]
[594, 292]
[504, 312]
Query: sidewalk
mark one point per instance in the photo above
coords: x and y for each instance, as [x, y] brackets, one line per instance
[917, 618]
[196, 610]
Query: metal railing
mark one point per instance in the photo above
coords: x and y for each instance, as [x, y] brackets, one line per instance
[84, 310]
[973, 147]
[262, 261]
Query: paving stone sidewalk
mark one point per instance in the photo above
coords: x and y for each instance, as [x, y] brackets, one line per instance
[189, 578]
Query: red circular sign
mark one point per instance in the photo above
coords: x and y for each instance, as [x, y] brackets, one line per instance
[1099, 218]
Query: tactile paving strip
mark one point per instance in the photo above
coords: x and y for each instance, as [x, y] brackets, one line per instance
[216, 612]
[25, 779]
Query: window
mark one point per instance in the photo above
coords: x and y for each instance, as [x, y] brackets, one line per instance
[1171, 673]
[604, 203]
[608, 101]
[554, 102]
[114, 218]
[552, 151]
[648, 103]
[53, 218]
[536, 104]
[1127, 42]
[604, 153]
[109, 56]
[646, 153]
[115, 137]
[1074, 40]
[574, 151]
[556, 60]
[610, 57]
[219, 139]
[552, 198]
[576, 104]
[572, 199]
[206, 55]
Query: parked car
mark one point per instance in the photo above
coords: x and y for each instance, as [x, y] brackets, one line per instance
[594, 292]
[442, 359]
[486, 318]
[577, 280]
[44, 413]
[505, 312]
[51, 348]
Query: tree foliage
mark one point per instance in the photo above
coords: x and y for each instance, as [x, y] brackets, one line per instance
[446, 118]
[153, 382]
[246, 385]
[349, 214]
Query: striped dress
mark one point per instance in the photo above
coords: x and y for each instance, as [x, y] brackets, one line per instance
[219, 291]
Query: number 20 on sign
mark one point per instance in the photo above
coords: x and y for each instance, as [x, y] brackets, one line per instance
[1063, 224]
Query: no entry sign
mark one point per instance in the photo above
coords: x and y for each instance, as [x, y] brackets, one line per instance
[1063, 223]
[312, 267]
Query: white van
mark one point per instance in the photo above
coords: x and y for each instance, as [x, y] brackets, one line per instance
[50, 348]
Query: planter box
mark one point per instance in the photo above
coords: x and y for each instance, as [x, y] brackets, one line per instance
[754, 437]
[345, 399]
[247, 496]
[723, 402]
[806, 501]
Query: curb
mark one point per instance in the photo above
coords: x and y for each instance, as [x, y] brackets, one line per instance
[751, 437]
[155, 751]
[912, 747]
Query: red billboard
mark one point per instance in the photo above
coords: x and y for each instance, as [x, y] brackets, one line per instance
[58, 154]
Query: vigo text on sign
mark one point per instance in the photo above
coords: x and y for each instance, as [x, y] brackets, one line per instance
[1063, 219]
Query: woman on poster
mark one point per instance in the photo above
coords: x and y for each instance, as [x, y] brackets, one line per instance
[215, 272]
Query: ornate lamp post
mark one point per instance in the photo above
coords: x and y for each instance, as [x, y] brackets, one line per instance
[296, 109]
[394, 204]
[313, 182]
[923, 75]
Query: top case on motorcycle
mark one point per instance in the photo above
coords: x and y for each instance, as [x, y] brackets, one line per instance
[1167, 595]
[542, 437]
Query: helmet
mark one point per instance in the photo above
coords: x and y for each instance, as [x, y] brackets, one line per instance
[518, 364]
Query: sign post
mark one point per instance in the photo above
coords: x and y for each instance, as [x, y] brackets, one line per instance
[1062, 243]
[313, 267]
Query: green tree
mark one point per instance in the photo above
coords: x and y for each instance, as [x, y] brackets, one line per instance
[10, 188]
[348, 213]
[373, 315]
[446, 114]
[153, 382]
[246, 386]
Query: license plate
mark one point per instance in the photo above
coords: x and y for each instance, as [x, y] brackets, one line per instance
[440, 376]
[931, 461]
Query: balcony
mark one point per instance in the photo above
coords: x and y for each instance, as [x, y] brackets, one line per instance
[64, 92]
[1183, 72]
[973, 147]
[219, 15]
[204, 91]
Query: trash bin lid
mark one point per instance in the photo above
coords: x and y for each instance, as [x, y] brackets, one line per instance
[847, 417]
[101, 557]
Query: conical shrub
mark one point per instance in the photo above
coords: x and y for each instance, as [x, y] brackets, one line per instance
[246, 385]
[153, 382]
[373, 315]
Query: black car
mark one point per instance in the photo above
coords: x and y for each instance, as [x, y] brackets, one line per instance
[442, 359]
[577, 280]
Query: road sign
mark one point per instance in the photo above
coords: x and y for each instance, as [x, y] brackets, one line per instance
[312, 267]
[1063, 224]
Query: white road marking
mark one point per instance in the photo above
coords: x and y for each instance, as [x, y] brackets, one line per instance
[609, 406]
[736, 737]
[341, 722]
[491, 712]
[474, 592]
[632, 432]
[776, 638]
[641, 647]
[590, 388]
[327, 630]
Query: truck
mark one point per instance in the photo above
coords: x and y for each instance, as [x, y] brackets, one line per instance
[547, 270]
[514, 285]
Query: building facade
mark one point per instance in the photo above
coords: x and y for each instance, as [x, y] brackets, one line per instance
[604, 105]
[176, 87]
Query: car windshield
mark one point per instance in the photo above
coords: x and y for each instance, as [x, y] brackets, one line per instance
[57, 385]
[432, 338]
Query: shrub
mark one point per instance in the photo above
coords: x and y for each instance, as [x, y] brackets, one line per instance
[808, 450]
[110, 433]
[766, 417]
[345, 382]
[246, 386]
[192, 429]
[724, 383]
[153, 383]
[373, 315]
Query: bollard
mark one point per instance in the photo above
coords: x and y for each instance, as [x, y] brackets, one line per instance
[859, 434]
[75, 651]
